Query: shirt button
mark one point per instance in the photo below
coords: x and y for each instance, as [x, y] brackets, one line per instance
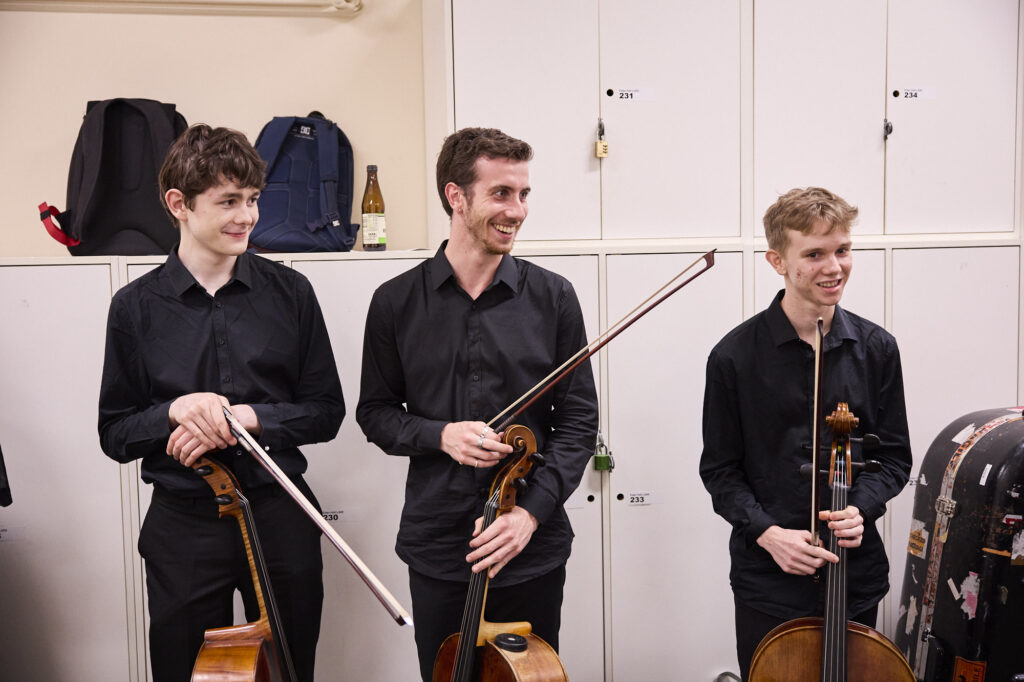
[225, 380]
[218, 305]
[220, 342]
[476, 377]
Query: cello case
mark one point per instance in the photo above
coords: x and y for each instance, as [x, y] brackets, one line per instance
[963, 590]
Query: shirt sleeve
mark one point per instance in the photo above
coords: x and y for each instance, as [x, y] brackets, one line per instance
[574, 419]
[722, 460]
[317, 408]
[381, 412]
[130, 426]
[872, 490]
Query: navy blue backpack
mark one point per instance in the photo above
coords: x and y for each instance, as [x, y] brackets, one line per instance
[307, 203]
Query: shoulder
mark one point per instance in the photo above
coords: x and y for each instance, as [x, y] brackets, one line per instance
[403, 284]
[138, 289]
[539, 278]
[740, 340]
[277, 275]
[875, 338]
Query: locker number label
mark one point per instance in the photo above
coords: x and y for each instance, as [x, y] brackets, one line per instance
[640, 499]
[629, 94]
[912, 94]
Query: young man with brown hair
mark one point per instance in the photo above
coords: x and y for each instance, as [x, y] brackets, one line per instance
[215, 326]
[448, 345]
[758, 404]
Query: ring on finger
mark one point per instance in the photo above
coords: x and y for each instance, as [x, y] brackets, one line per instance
[476, 463]
[480, 441]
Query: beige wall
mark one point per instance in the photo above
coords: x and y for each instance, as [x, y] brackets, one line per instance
[363, 72]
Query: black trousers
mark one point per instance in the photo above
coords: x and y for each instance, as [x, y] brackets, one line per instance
[753, 625]
[437, 607]
[195, 561]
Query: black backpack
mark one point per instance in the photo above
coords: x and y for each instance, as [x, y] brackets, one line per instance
[113, 204]
[307, 203]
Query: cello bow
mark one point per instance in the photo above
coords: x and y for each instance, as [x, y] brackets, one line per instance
[378, 589]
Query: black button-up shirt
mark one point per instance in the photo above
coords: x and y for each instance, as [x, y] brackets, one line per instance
[432, 356]
[261, 341]
[758, 405]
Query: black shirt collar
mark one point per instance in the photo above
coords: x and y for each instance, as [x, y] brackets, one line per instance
[782, 330]
[181, 280]
[441, 271]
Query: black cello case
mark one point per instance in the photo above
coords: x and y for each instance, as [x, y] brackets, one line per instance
[962, 609]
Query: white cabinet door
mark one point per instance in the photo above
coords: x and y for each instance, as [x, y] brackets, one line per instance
[952, 101]
[819, 77]
[672, 613]
[62, 550]
[670, 99]
[530, 68]
[362, 490]
[582, 633]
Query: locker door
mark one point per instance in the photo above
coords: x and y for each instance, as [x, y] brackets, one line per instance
[62, 549]
[954, 315]
[670, 99]
[530, 68]
[952, 99]
[581, 639]
[361, 491]
[819, 71]
[672, 613]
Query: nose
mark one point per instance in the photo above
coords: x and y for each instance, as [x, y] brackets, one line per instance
[518, 209]
[248, 214]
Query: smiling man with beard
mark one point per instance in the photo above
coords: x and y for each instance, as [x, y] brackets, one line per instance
[758, 403]
[448, 345]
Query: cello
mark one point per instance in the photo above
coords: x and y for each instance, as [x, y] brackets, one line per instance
[251, 652]
[499, 652]
[831, 648]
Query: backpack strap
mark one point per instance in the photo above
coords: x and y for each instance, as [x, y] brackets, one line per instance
[327, 143]
[47, 213]
[272, 137]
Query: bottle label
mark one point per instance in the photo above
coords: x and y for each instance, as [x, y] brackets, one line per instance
[374, 231]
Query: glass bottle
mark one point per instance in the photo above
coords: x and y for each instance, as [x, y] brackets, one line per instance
[374, 232]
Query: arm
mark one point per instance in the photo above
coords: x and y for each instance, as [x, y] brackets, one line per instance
[567, 450]
[130, 426]
[381, 411]
[871, 491]
[314, 411]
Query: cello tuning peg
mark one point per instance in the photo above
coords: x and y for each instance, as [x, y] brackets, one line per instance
[538, 459]
[204, 470]
[871, 466]
[520, 485]
[223, 499]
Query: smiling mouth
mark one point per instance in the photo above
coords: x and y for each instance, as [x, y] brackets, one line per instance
[505, 229]
[831, 284]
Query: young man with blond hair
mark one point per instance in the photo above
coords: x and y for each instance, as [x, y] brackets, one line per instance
[758, 406]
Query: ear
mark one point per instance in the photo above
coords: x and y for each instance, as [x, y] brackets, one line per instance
[455, 196]
[774, 259]
[175, 203]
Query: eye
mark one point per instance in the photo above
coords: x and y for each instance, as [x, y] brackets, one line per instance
[524, 194]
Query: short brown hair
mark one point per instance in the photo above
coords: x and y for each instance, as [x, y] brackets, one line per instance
[457, 160]
[800, 209]
[203, 157]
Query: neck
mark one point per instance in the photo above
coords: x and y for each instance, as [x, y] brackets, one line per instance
[804, 318]
[474, 268]
[212, 271]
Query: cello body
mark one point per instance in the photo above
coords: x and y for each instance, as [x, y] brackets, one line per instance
[538, 663]
[871, 656]
[250, 652]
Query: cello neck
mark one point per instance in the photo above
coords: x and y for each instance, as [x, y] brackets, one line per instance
[473, 613]
[833, 639]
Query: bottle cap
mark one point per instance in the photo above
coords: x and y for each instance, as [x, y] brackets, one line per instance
[371, 169]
